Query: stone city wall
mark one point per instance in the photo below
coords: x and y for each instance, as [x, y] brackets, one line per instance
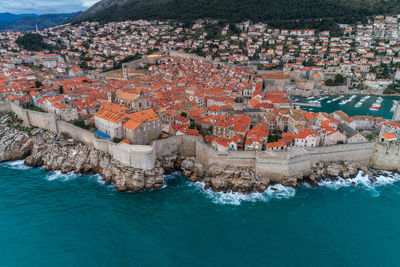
[296, 162]
[361, 153]
[137, 156]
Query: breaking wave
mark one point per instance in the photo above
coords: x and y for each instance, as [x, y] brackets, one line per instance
[363, 181]
[57, 175]
[99, 179]
[277, 191]
[17, 165]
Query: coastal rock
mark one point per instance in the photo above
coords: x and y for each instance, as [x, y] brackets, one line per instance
[187, 167]
[223, 179]
[290, 182]
[344, 169]
[42, 148]
[333, 170]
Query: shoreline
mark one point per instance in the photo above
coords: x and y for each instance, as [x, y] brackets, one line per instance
[274, 191]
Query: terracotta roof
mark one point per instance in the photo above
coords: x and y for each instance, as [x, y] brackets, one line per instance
[110, 116]
[131, 124]
[276, 144]
[144, 115]
[389, 136]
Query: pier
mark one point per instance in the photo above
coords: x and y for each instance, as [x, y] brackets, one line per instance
[315, 105]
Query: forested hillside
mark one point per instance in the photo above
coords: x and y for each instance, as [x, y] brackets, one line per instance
[277, 11]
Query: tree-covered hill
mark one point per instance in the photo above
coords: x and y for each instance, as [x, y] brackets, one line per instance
[32, 42]
[238, 10]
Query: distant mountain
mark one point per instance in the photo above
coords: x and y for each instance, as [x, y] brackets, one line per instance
[28, 23]
[238, 10]
[6, 18]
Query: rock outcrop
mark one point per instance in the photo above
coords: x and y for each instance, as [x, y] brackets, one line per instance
[344, 169]
[216, 177]
[42, 148]
[245, 180]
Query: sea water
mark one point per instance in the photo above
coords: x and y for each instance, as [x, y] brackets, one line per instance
[348, 104]
[54, 219]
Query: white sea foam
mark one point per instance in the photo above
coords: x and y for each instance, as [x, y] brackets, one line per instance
[99, 179]
[17, 165]
[279, 191]
[363, 181]
[57, 175]
[234, 198]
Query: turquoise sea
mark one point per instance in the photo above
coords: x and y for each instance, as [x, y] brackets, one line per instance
[348, 104]
[50, 219]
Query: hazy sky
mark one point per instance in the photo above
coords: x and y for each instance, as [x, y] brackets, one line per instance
[44, 6]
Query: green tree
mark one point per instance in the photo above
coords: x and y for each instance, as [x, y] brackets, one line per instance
[329, 82]
[117, 140]
[80, 124]
[38, 84]
[32, 42]
[339, 79]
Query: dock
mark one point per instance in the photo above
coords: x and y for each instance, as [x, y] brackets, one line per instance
[314, 105]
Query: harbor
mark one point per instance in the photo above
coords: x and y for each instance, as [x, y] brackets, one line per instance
[353, 105]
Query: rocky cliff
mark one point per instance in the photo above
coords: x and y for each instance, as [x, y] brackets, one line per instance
[42, 148]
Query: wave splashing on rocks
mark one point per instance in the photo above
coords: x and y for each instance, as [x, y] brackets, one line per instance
[16, 165]
[362, 180]
[57, 175]
[277, 191]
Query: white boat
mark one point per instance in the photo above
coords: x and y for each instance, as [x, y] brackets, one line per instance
[337, 98]
[345, 101]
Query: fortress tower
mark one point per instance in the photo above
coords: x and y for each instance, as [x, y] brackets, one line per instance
[396, 114]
